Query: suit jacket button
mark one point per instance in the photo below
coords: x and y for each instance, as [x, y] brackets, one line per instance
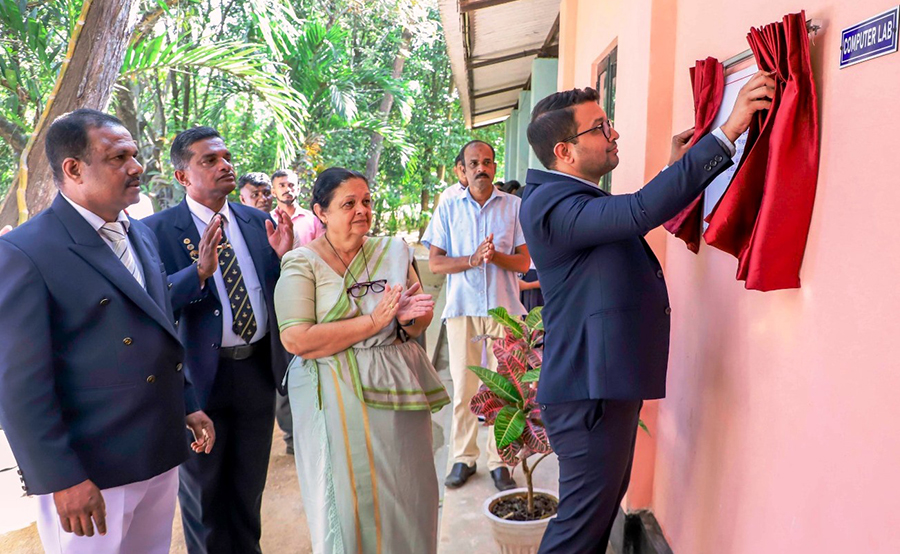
[215, 345]
[659, 273]
[127, 341]
[718, 158]
[216, 313]
[706, 167]
[713, 163]
[104, 301]
[178, 366]
[668, 310]
[151, 379]
[170, 285]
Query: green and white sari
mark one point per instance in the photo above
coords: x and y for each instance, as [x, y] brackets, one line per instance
[362, 418]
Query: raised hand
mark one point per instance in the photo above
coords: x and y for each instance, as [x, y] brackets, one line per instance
[78, 505]
[754, 96]
[386, 310]
[203, 430]
[208, 259]
[281, 239]
[680, 145]
[412, 305]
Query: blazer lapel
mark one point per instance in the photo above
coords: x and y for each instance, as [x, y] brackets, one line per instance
[90, 247]
[189, 239]
[152, 277]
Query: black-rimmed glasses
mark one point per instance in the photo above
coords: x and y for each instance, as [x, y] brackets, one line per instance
[359, 290]
[606, 128]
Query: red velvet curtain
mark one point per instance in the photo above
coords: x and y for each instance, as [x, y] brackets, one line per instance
[763, 218]
[708, 80]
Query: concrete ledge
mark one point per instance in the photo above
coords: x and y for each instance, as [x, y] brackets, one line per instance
[638, 533]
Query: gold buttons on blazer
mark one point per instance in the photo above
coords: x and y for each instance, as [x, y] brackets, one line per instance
[151, 379]
[127, 341]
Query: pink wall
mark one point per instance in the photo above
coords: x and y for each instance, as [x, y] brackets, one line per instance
[781, 429]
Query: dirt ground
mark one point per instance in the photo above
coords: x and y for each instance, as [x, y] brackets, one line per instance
[284, 520]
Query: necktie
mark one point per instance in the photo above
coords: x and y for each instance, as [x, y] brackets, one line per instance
[115, 233]
[244, 322]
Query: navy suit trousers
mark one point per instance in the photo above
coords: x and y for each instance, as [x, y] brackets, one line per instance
[221, 492]
[594, 440]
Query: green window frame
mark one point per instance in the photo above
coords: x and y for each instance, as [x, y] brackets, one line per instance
[606, 87]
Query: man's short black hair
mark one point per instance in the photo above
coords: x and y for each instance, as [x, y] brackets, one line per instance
[284, 173]
[67, 137]
[256, 179]
[180, 153]
[553, 120]
[459, 159]
[462, 152]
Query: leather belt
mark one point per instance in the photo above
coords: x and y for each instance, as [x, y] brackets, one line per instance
[240, 352]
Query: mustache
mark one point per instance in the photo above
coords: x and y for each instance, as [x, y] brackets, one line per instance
[135, 181]
[480, 175]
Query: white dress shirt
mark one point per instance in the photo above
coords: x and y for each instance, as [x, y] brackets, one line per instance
[97, 222]
[202, 216]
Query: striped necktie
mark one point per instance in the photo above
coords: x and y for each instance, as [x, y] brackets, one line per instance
[243, 321]
[115, 233]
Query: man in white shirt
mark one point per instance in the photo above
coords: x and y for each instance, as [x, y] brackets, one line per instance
[223, 260]
[94, 396]
[478, 243]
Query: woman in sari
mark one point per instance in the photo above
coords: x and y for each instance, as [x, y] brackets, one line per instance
[361, 393]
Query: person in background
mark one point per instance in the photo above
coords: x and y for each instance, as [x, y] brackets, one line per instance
[511, 187]
[530, 289]
[307, 227]
[362, 392]
[285, 184]
[477, 242]
[256, 191]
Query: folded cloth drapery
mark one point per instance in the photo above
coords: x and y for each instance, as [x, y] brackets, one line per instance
[708, 80]
[763, 218]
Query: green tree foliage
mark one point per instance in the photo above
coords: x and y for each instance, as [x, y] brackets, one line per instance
[293, 83]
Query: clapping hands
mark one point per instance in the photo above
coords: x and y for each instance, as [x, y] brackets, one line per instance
[400, 304]
[412, 305]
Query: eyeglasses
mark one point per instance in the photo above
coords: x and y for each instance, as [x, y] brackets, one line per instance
[606, 128]
[361, 289]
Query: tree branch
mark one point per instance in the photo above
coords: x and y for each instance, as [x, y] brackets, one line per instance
[13, 134]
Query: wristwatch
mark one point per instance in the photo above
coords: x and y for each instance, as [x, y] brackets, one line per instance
[407, 324]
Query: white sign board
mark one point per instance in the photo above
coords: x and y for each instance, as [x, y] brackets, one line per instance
[717, 188]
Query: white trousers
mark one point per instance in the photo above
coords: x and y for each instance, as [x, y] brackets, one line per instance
[138, 520]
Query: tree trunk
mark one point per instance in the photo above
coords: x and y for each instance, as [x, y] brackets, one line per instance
[376, 145]
[422, 226]
[87, 82]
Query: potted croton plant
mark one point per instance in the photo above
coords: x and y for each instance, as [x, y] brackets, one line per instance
[506, 400]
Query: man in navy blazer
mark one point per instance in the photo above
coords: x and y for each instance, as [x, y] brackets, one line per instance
[606, 309]
[93, 395]
[223, 260]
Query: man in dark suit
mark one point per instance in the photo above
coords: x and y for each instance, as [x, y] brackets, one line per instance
[93, 395]
[223, 260]
[606, 307]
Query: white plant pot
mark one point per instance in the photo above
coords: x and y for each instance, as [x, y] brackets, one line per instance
[516, 537]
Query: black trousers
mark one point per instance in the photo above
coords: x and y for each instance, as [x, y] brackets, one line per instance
[594, 440]
[221, 492]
